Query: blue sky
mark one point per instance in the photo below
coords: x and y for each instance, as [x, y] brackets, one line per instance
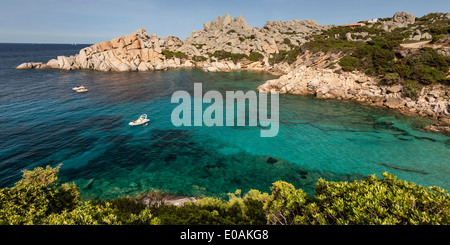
[92, 21]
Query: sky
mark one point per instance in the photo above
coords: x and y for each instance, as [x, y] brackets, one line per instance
[93, 21]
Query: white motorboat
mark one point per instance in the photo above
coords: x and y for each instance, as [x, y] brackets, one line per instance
[142, 120]
[78, 87]
[82, 90]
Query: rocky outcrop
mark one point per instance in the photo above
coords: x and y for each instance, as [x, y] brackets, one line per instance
[434, 102]
[33, 65]
[404, 18]
[142, 52]
[136, 51]
[399, 20]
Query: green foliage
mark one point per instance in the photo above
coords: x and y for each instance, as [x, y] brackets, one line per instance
[411, 89]
[427, 75]
[428, 57]
[285, 203]
[434, 23]
[255, 56]
[391, 79]
[36, 196]
[237, 57]
[286, 56]
[375, 201]
[39, 199]
[210, 211]
[287, 41]
[199, 58]
[224, 55]
[170, 54]
[325, 44]
[376, 56]
[349, 63]
[220, 54]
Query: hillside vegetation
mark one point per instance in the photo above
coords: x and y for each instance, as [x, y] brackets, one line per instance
[378, 52]
[40, 199]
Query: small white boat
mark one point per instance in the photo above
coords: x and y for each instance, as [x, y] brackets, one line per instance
[78, 87]
[82, 90]
[142, 120]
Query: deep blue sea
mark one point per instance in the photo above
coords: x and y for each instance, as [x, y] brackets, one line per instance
[44, 122]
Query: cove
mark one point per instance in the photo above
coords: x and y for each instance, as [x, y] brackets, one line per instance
[89, 134]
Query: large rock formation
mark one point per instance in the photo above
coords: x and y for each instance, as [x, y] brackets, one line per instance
[141, 52]
[134, 52]
[399, 20]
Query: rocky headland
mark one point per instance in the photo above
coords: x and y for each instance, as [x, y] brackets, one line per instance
[285, 48]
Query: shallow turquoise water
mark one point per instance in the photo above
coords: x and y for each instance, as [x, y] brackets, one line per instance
[42, 121]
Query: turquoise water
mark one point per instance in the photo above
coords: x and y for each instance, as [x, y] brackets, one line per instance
[43, 122]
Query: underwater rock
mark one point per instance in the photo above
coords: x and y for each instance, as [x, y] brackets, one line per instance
[402, 168]
[271, 160]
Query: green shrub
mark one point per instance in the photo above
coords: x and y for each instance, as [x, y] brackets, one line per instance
[170, 54]
[220, 54]
[36, 196]
[391, 79]
[349, 63]
[427, 75]
[199, 58]
[287, 41]
[237, 57]
[436, 38]
[324, 44]
[40, 199]
[285, 204]
[428, 57]
[286, 56]
[411, 89]
[255, 56]
[375, 201]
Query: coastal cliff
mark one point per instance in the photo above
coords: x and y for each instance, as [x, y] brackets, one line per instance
[400, 62]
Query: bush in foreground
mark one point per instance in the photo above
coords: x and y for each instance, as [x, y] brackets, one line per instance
[39, 198]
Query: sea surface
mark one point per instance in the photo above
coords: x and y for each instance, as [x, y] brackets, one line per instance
[44, 122]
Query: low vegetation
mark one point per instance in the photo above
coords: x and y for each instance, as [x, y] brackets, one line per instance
[40, 199]
[288, 56]
[225, 55]
[170, 54]
[378, 53]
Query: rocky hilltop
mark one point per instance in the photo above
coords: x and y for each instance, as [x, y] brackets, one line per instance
[224, 44]
[401, 62]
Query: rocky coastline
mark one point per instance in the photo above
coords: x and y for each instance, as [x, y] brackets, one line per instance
[432, 103]
[230, 44]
